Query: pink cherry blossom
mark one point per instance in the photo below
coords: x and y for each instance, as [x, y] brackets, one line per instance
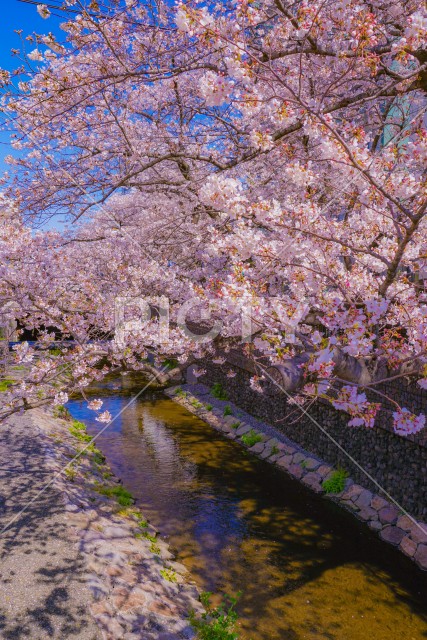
[60, 398]
[406, 423]
[95, 405]
[105, 417]
[271, 170]
[43, 11]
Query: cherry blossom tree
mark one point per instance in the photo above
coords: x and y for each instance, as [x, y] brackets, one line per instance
[266, 157]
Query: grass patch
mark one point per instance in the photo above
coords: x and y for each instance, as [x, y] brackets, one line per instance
[274, 450]
[70, 473]
[78, 426]
[251, 438]
[235, 425]
[98, 457]
[129, 512]
[170, 363]
[168, 574]
[196, 404]
[61, 412]
[154, 548]
[336, 482]
[5, 384]
[134, 513]
[78, 430]
[227, 411]
[208, 407]
[217, 623]
[122, 495]
[144, 535]
[219, 392]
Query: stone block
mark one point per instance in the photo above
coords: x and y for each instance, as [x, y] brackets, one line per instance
[287, 448]
[102, 607]
[311, 464]
[284, 461]
[364, 498]
[111, 627]
[392, 534]
[273, 442]
[258, 447]
[405, 523]
[313, 480]
[420, 556]
[353, 492]
[164, 607]
[296, 470]
[324, 470]
[348, 504]
[419, 533]
[98, 589]
[311, 477]
[388, 515]
[367, 513]
[298, 457]
[242, 429]
[408, 546]
[130, 601]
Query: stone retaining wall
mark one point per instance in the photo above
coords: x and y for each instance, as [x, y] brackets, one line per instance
[397, 464]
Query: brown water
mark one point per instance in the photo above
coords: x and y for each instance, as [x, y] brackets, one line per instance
[306, 568]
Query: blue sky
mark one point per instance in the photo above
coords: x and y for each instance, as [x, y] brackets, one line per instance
[18, 15]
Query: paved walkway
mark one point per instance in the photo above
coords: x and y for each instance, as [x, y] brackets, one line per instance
[43, 592]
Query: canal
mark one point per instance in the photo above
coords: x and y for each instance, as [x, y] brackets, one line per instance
[306, 569]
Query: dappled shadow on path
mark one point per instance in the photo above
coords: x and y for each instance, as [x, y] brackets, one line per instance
[42, 581]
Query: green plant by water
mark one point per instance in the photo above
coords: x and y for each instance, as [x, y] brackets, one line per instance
[169, 575]
[170, 363]
[336, 482]
[218, 391]
[155, 549]
[227, 410]
[61, 412]
[217, 623]
[5, 384]
[251, 438]
[70, 473]
[78, 430]
[122, 495]
[196, 404]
